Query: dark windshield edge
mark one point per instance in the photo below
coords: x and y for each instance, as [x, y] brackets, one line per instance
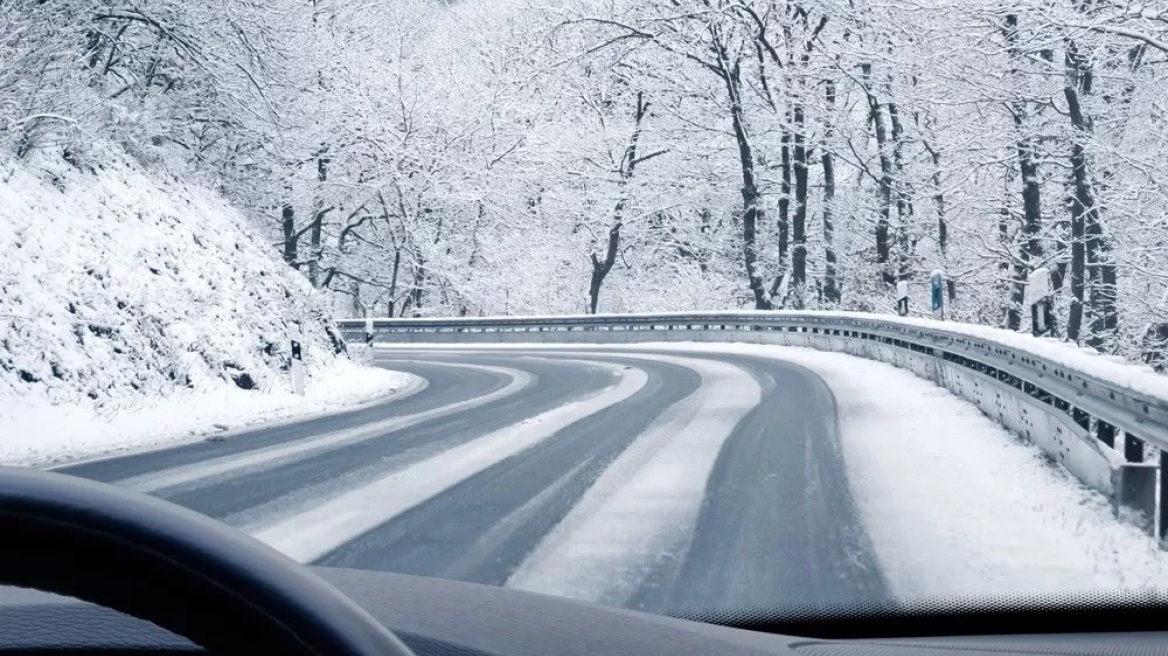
[1056, 615]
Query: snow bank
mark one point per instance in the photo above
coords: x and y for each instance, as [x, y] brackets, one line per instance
[36, 434]
[135, 309]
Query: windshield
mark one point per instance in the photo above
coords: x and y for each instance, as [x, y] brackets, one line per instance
[711, 308]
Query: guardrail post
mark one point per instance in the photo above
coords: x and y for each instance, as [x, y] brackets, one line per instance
[1105, 432]
[1163, 526]
[1133, 448]
[1081, 417]
[1135, 494]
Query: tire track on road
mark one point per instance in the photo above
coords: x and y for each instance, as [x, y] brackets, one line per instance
[444, 386]
[252, 499]
[313, 532]
[481, 529]
[235, 465]
[645, 505]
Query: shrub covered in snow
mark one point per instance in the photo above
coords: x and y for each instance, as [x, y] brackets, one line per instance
[118, 286]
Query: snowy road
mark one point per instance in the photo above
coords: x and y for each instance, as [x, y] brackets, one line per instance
[637, 478]
[662, 477]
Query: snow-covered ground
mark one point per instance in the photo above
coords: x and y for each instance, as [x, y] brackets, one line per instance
[37, 434]
[136, 310]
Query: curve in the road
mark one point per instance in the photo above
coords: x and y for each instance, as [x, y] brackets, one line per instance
[677, 481]
[445, 385]
[779, 514]
[309, 534]
[294, 485]
[483, 528]
[258, 459]
[643, 508]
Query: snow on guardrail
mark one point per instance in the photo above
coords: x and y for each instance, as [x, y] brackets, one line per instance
[1113, 369]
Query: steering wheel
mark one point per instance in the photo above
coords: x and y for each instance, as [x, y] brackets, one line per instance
[185, 572]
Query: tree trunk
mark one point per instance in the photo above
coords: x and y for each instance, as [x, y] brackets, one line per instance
[752, 213]
[317, 228]
[1031, 200]
[925, 128]
[393, 281]
[600, 268]
[419, 282]
[904, 203]
[1096, 253]
[831, 292]
[291, 238]
[1082, 201]
[942, 221]
[1012, 311]
[799, 222]
[784, 200]
[358, 306]
[1078, 269]
[939, 202]
[314, 248]
[1031, 247]
[883, 221]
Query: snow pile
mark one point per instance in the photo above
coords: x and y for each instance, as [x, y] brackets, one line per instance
[121, 293]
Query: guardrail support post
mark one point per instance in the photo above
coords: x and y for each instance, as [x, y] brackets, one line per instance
[1135, 495]
[1162, 527]
[1081, 417]
[1133, 448]
[1105, 432]
[1162, 507]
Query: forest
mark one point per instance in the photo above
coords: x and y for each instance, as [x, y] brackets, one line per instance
[502, 157]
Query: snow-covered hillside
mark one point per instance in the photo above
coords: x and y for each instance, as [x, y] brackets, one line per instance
[121, 293]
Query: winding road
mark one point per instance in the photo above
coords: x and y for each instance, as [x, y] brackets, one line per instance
[650, 480]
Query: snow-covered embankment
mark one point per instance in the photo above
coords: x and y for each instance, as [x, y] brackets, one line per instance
[136, 311]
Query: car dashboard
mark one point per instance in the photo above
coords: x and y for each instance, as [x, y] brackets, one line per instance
[446, 618]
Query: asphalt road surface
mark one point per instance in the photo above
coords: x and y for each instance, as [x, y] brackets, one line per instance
[659, 481]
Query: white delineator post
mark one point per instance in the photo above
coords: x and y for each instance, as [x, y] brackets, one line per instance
[297, 361]
[1038, 293]
[369, 330]
[902, 298]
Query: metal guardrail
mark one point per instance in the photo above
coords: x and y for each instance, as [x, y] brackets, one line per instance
[1094, 423]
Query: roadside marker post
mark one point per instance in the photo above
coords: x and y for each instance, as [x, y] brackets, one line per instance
[937, 287]
[369, 331]
[1038, 293]
[297, 361]
[902, 298]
